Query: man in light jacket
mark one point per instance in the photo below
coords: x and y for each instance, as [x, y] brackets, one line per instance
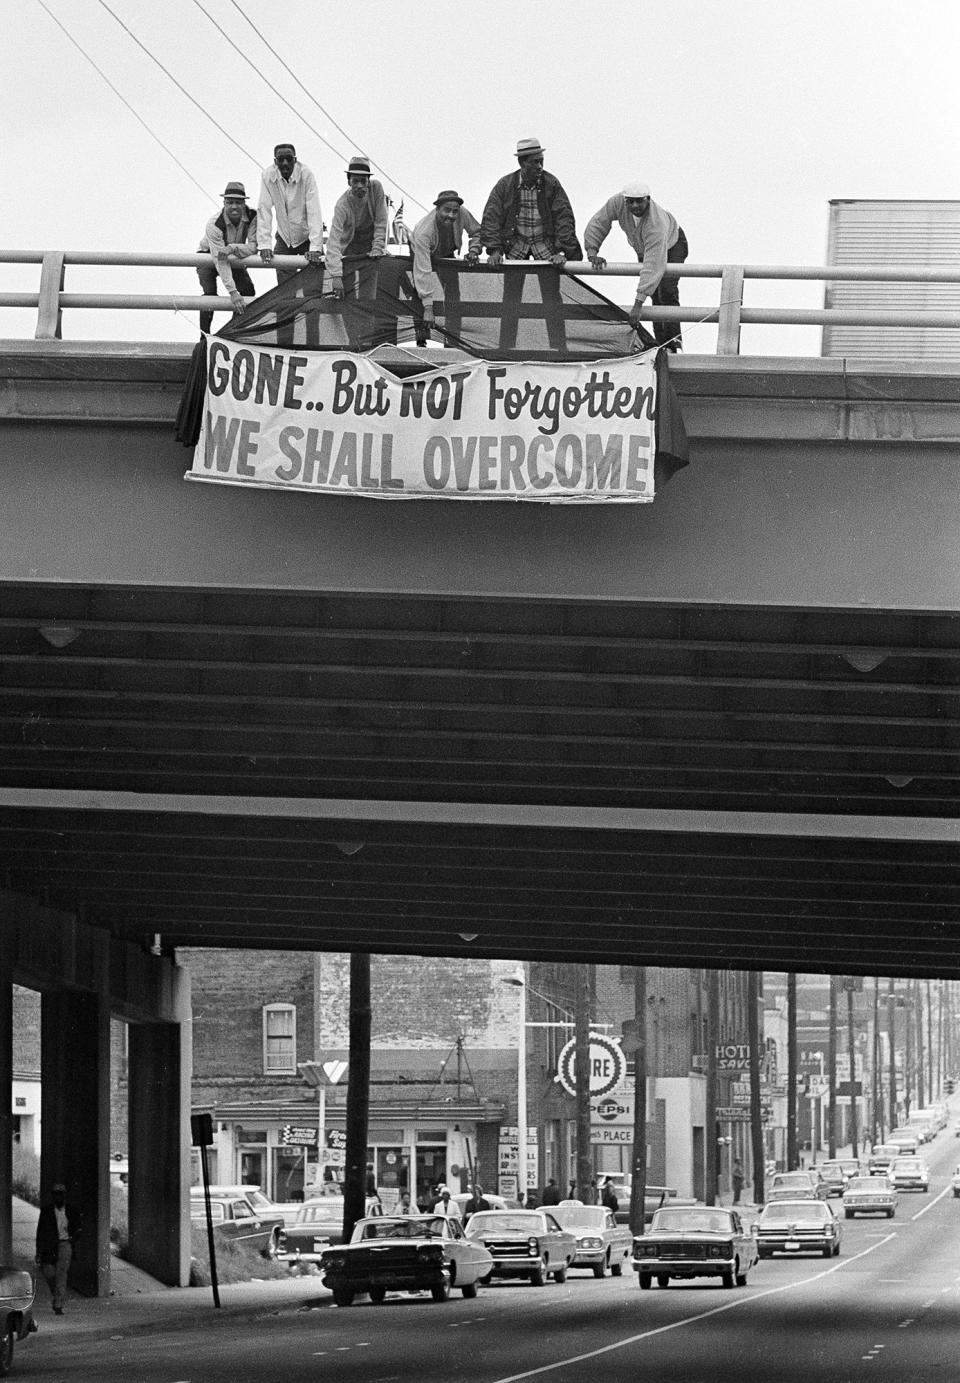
[658, 239]
[439, 235]
[358, 234]
[229, 238]
[288, 190]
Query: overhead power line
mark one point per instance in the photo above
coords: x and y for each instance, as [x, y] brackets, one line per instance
[99, 70]
[179, 85]
[237, 49]
[326, 114]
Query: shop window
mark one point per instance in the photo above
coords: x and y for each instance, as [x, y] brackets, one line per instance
[279, 1039]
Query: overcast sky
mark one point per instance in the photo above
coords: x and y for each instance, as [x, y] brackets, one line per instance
[745, 116]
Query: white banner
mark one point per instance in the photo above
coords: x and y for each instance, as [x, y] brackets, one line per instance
[342, 424]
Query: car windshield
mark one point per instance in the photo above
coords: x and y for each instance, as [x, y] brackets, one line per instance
[259, 1201]
[571, 1216]
[420, 1227]
[694, 1221]
[314, 1214]
[831, 1171]
[795, 1213]
[907, 1164]
[859, 1184]
[506, 1222]
[788, 1179]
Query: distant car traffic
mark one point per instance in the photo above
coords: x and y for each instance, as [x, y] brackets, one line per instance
[791, 1186]
[602, 1244]
[800, 1226]
[909, 1174]
[317, 1225]
[834, 1178]
[695, 1241]
[524, 1243]
[906, 1139]
[16, 1313]
[869, 1195]
[405, 1253]
[235, 1217]
[878, 1163]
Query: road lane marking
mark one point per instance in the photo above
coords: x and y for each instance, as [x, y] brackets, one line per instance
[930, 1204]
[903, 1324]
[689, 1320]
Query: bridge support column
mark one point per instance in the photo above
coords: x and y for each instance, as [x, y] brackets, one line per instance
[75, 1105]
[159, 1067]
[6, 1102]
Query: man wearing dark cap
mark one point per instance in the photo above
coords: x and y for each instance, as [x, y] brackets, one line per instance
[288, 190]
[57, 1230]
[439, 235]
[229, 238]
[528, 215]
[358, 234]
[658, 240]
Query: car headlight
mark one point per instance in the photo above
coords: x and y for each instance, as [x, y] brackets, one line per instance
[430, 1253]
[533, 1244]
[333, 1261]
[643, 1249]
[591, 1242]
[719, 1250]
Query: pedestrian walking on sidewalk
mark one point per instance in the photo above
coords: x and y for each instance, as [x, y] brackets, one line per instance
[736, 1177]
[57, 1230]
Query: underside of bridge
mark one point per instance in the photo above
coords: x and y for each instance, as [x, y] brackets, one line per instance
[707, 785]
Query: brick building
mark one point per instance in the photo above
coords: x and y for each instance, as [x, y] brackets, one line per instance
[443, 1065]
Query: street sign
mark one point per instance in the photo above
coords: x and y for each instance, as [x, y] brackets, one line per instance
[297, 1136]
[608, 1065]
[733, 1114]
[733, 1056]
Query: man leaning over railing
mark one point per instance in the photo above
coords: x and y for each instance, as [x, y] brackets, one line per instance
[230, 236]
[658, 239]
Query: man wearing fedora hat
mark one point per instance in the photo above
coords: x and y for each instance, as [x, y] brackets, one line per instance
[358, 233]
[288, 190]
[439, 235]
[658, 240]
[229, 238]
[528, 215]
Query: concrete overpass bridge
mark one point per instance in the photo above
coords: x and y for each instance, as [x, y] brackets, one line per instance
[719, 730]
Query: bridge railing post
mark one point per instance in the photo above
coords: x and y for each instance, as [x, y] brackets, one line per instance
[731, 303]
[49, 315]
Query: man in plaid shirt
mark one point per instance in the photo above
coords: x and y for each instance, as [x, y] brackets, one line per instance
[528, 215]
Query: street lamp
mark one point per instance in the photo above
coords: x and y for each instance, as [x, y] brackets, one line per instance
[519, 980]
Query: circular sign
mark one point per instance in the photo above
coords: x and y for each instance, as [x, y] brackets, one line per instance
[608, 1065]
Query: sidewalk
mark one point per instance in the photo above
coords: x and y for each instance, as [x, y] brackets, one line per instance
[138, 1304]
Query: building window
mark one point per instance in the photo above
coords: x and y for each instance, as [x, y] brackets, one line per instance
[279, 1039]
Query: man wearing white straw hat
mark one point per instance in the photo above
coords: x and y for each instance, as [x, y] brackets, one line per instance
[658, 239]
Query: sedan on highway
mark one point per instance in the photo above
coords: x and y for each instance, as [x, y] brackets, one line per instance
[602, 1244]
[791, 1186]
[404, 1253]
[878, 1163]
[695, 1241]
[869, 1196]
[801, 1226]
[524, 1243]
[317, 1224]
[909, 1174]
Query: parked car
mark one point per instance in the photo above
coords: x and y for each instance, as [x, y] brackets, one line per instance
[878, 1163]
[16, 1313]
[909, 1174]
[405, 1253]
[867, 1195]
[494, 1201]
[317, 1225]
[852, 1166]
[790, 1186]
[800, 1226]
[524, 1243]
[834, 1178]
[601, 1242]
[236, 1217]
[695, 1241]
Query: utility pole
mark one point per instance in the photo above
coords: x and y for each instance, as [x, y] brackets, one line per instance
[918, 995]
[832, 1073]
[713, 1029]
[892, 1040]
[581, 1015]
[358, 1094]
[638, 1184]
[931, 1088]
[853, 1068]
[756, 1118]
[793, 1159]
[908, 1056]
[877, 1126]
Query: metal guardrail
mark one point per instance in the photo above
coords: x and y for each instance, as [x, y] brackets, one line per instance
[730, 314]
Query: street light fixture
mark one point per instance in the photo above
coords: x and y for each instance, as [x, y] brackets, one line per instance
[519, 980]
